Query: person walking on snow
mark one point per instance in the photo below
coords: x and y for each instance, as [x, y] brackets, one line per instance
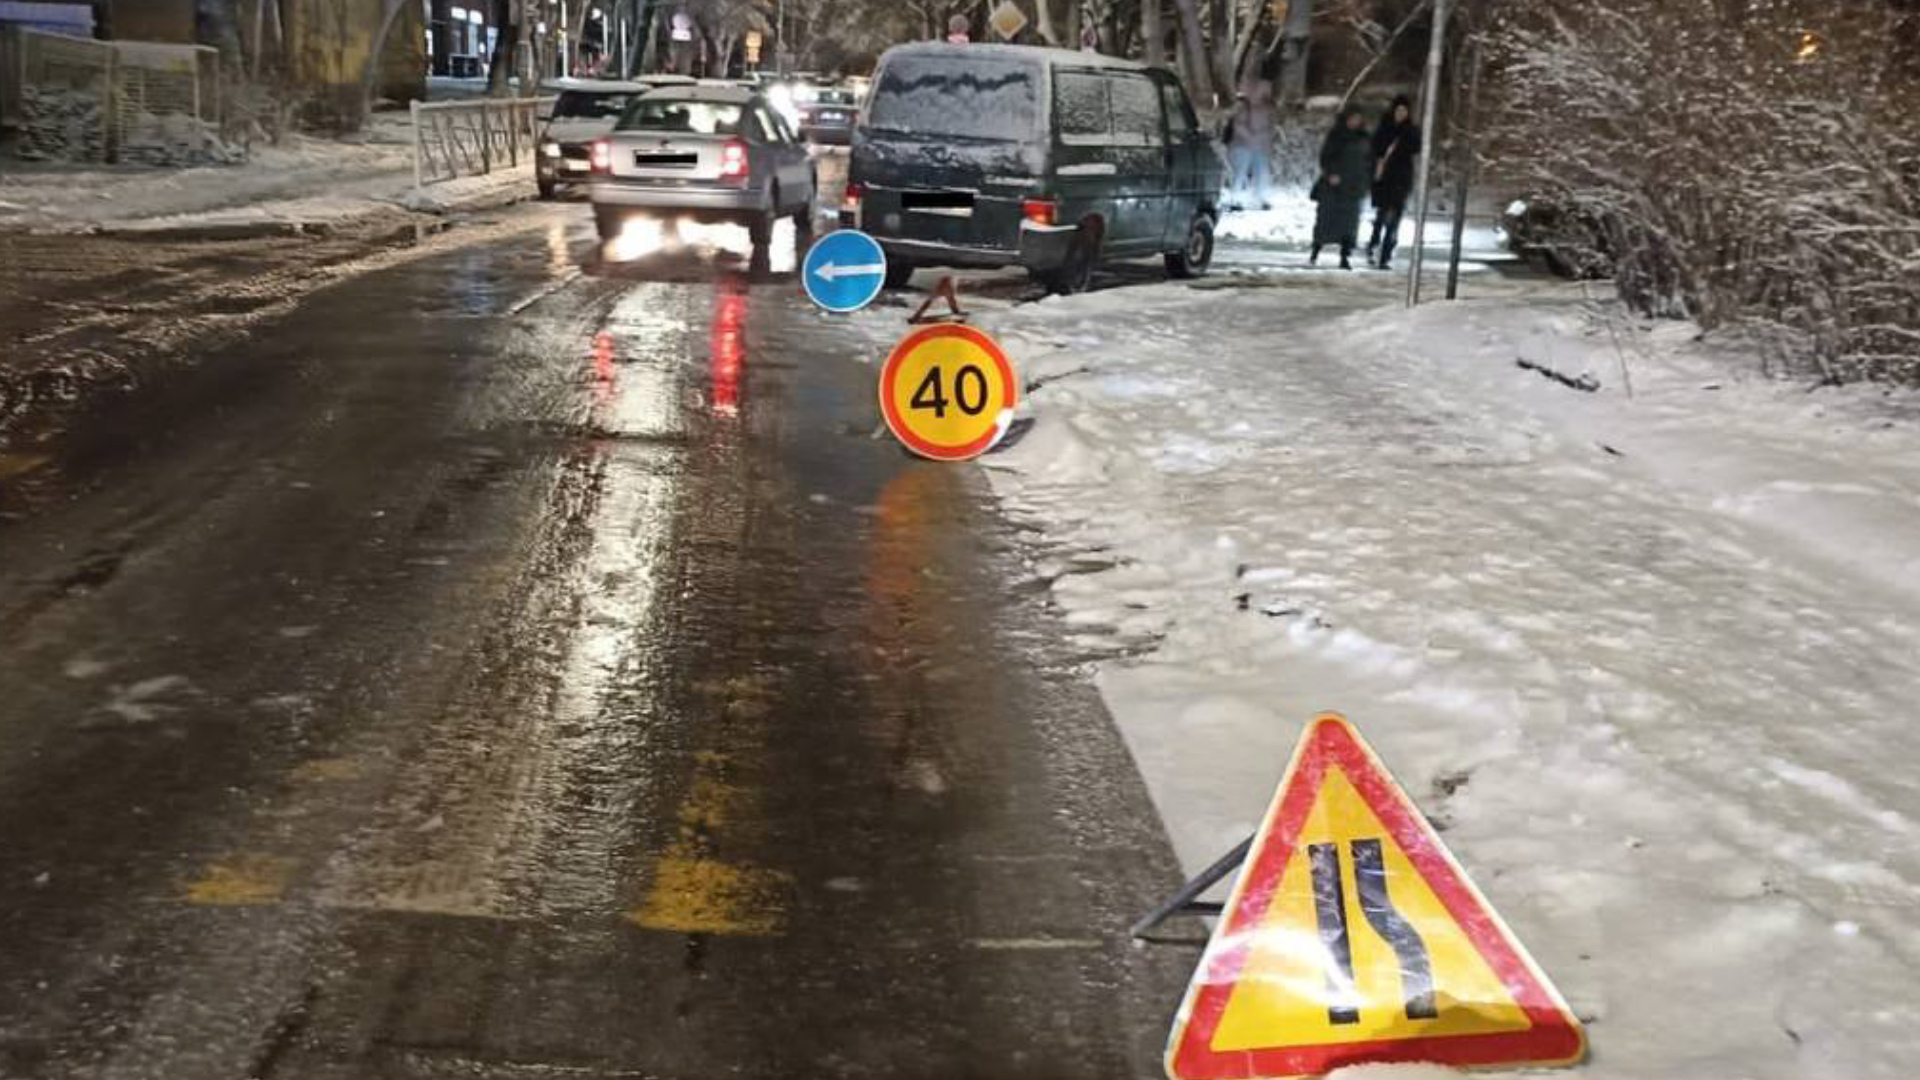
[1396, 142]
[1346, 167]
[1248, 137]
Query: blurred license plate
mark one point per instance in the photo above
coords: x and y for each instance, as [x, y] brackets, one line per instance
[665, 161]
[944, 203]
[833, 117]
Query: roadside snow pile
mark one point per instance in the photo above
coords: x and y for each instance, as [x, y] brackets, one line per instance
[1286, 219]
[305, 181]
[61, 125]
[1650, 663]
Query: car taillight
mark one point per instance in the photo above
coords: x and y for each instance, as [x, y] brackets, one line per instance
[600, 156]
[850, 202]
[1038, 211]
[733, 161]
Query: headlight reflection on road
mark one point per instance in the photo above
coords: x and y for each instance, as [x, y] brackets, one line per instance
[642, 238]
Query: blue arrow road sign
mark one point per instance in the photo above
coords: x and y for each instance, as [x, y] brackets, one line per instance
[844, 270]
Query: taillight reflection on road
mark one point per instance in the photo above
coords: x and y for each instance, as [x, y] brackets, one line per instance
[603, 374]
[729, 346]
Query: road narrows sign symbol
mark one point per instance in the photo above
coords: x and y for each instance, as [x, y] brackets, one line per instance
[844, 270]
[948, 392]
[1352, 936]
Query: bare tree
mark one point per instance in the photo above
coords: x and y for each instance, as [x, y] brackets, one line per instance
[1753, 168]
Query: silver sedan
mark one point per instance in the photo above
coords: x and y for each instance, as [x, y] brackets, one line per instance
[713, 153]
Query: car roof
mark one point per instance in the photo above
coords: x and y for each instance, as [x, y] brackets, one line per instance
[593, 86]
[715, 92]
[1033, 54]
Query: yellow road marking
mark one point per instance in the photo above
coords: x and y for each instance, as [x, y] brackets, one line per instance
[692, 890]
[12, 465]
[244, 880]
[694, 894]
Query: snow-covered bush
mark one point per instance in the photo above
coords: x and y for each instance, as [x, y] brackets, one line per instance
[1751, 164]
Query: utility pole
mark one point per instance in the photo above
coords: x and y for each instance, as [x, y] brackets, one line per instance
[1429, 112]
[1464, 159]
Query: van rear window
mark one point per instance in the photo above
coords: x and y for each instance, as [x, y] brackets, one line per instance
[957, 97]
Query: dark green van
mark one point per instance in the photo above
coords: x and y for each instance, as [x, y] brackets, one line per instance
[1005, 155]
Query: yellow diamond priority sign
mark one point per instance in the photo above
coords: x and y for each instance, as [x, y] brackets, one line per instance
[1007, 20]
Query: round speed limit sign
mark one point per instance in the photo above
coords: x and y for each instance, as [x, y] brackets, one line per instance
[948, 392]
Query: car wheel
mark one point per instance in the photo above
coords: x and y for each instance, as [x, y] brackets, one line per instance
[609, 220]
[1076, 274]
[760, 225]
[803, 214]
[1196, 252]
[899, 272]
[547, 188]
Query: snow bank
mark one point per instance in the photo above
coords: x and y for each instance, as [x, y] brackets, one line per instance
[305, 182]
[1650, 662]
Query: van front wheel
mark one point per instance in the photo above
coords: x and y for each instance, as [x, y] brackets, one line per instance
[1196, 251]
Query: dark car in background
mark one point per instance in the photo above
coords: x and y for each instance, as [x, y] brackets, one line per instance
[1005, 155]
[828, 114]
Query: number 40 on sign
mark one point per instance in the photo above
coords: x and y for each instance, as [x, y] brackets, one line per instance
[948, 392]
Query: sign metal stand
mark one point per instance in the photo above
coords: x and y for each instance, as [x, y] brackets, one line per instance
[1186, 902]
[945, 290]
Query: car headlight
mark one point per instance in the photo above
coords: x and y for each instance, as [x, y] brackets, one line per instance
[551, 149]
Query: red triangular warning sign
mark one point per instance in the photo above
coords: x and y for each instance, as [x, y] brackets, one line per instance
[1352, 936]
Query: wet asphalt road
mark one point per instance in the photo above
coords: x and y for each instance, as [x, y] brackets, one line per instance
[508, 665]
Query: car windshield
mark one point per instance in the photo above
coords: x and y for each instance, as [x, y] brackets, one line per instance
[957, 97]
[676, 114]
[835, 97]
[583, 105]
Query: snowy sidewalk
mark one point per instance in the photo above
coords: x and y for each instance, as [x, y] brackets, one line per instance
[308, 183]
[1652, 664]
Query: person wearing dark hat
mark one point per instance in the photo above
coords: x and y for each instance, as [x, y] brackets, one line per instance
[1345, 168]
[1396, 142]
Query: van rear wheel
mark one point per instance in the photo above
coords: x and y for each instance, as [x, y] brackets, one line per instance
[899, 272]
[1196, 251]
[1075, 275]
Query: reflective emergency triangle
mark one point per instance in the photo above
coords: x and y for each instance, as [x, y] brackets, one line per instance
[1352, 936]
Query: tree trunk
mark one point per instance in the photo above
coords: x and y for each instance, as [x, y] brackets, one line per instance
[1223, 43]
[1296, 38]
[1193, 53]
[1154, 37]
[440, 21]
[504, 47]
[1043, 22]
[576, 36]
[220, 27]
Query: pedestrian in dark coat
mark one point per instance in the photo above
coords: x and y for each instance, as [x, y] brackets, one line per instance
[1396, 142]
[1346, 168]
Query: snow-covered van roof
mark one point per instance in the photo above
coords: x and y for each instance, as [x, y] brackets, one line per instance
[1034, 54]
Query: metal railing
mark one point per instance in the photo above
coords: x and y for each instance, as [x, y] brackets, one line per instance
[452, 139]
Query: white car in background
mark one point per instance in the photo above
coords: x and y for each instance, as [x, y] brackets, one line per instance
[709, 152]
[584, 110]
